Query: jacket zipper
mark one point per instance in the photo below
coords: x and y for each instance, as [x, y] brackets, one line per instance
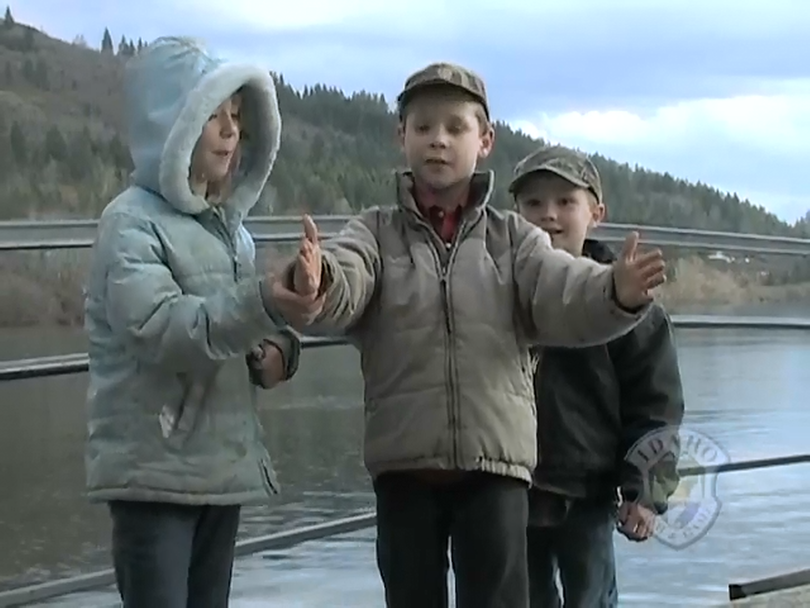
[229, 243]
[453, 409]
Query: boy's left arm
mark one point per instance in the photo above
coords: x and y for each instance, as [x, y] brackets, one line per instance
[651, 394]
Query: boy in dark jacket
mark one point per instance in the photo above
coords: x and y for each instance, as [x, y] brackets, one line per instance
[593, 405]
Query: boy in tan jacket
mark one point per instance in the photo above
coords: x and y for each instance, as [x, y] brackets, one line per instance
[444, 296]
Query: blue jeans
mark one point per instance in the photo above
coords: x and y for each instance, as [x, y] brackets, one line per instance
[576, 540]
[173, 556]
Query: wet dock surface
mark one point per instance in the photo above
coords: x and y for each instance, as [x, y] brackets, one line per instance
[337, 572]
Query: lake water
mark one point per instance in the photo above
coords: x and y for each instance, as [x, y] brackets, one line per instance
[747, 390]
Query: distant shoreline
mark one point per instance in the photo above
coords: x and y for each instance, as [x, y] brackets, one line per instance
[43, 289]
[698, 284]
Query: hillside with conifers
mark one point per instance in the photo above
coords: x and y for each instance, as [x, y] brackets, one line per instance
[63, 150]
[64, 153]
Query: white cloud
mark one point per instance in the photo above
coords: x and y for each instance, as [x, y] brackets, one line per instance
[276, 15]
[698, 15]
[300, 14]
[778, 121]
[754, 145]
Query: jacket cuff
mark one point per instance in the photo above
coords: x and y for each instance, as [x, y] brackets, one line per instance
[615, 298]
[633, 491]
[289, 344]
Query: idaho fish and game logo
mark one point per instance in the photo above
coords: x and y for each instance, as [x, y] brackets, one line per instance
[694, 506]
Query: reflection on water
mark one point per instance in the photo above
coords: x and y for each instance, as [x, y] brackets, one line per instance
[745, 389]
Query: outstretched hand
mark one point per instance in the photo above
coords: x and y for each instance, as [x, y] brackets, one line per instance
[308, 264]
[301, 305]
[635, 274]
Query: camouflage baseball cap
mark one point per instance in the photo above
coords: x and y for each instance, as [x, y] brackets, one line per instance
[571, 165]
[445, 74]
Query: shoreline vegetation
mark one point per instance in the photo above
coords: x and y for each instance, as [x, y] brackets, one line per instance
[698, 283]
[46, 288]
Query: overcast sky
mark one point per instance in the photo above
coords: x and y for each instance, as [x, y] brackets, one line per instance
[709, 90]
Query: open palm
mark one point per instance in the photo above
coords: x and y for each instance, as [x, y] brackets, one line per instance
[308, 264]
[635, 274]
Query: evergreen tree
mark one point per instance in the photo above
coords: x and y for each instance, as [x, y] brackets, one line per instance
[19, 146]
[107, 43]
[40, 75]
[28, 43]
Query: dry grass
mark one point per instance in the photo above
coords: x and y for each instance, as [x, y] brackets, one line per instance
[42, 288]
[46, 288]
[697, 282]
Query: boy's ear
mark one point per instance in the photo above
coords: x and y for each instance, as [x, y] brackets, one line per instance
[487, 142]
[401, 134]
[597, 213]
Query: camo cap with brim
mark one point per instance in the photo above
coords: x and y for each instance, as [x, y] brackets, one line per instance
[444, 74]
[571, 165]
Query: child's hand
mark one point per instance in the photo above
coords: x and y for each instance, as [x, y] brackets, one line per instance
[301, 302]
[267, 364]
[634, 274]
[636, 522]
[308, 265]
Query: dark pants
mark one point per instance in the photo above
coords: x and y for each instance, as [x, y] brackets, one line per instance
[484, 519]
[579, 545]
[173, 556]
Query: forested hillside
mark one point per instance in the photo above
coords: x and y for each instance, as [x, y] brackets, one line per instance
[63, 153]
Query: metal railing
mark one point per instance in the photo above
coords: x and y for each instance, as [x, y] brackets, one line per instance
[66, 234]
[763, 586]
[77, 234]
[77, 363]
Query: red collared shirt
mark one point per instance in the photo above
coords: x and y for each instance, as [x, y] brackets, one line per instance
[445, 222]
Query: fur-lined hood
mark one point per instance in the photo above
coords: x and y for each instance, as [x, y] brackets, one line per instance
[172, 87]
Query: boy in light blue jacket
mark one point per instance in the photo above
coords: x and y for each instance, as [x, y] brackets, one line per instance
[174, 309]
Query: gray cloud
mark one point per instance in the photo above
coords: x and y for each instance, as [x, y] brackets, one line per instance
[768, 177]
[637, 66]
[574, 55]
[584, 54]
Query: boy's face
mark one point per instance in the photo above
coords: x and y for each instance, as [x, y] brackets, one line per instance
[217, 146]
[443, 138]
[565, 211]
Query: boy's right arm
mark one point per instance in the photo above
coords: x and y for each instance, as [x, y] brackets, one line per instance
[563, 300]
[163, 325]
[351, 267]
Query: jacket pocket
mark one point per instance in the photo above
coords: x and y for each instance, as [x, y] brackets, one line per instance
[268, 475]
[178, 415]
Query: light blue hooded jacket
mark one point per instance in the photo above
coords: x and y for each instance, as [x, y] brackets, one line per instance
[173, 301]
